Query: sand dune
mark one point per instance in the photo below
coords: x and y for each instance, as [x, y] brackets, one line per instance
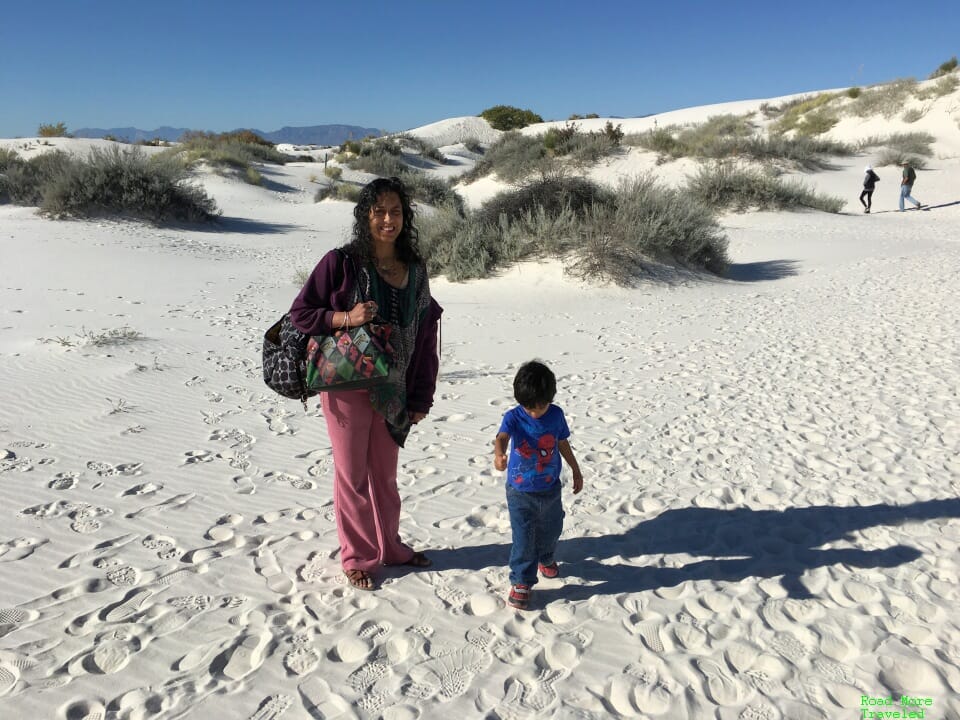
[769, 527]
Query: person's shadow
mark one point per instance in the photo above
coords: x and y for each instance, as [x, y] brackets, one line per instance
[735, 544]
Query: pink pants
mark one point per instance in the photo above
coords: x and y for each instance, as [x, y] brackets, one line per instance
[365, 496]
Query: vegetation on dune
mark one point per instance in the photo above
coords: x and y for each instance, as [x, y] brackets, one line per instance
[507, 117]
[602, 235]
[53, 130]
[725, 185]
[105, 182]
[945, 68]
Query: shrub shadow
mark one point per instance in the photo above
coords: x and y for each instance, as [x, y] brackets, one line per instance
[762, 271]
[738, 543]
[245, 226]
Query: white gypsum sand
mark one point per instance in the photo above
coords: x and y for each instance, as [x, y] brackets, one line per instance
[769, 526]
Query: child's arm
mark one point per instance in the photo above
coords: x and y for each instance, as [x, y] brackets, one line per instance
[500, 451]
[567, 454]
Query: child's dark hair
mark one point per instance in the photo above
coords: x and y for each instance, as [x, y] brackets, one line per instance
[534, 385]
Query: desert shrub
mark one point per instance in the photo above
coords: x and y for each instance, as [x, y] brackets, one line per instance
[24, 181]
[156, 142]
[420, 146]
[512, 157]
[796, 115]
[713, 138]
[111, 181]
[853, 92]
[430, 190]
[913, 114]
[379, 157]
[236, 150]
[253, 176]
[886, 100]
[944, 86]
[338, 191]
[893, 156]
[913, 143]
[648, 221]
[816, 123]
[603, 238]
[945, 68]
[507, 117]
[351, 146]
[55, 130]
[801, 150]
[334, 173]
[550, 194]
[724, 185]
[473, 145]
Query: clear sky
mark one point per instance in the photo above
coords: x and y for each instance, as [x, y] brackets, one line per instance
[223, 64]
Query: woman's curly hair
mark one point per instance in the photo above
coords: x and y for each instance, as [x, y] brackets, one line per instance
[361, 241]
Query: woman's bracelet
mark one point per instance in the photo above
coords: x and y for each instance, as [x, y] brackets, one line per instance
[343, 322]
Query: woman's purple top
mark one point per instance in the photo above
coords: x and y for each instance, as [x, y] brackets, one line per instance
[329, 289]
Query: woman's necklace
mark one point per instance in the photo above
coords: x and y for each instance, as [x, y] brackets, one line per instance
[391, 268]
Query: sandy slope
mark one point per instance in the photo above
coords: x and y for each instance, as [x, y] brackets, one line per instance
[769, 527]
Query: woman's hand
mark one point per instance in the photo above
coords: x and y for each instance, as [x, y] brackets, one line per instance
[362, 313]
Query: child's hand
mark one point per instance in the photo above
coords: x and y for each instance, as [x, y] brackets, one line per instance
[500, 462]
[577, 481]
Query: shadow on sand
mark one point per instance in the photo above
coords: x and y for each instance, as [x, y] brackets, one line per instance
[761, 271]
[738, 543]
[226, 224]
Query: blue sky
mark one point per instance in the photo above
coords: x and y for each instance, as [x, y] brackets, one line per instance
[224, 64]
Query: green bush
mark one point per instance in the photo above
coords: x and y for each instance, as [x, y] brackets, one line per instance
[57, 130]
[24, 181]
[473, 145]
[419, 146]
[893, 156]
[886, 100]
[338, 191]
[431, 190]
[506, 117]
[853, 92]
[944, 86]
[913, 143]
[334, 173]
[603, 234]
[796, 115]
[724, 185]
[913, 114]
[112, 181]
[512, 157]
[945, 68]
[253, 176]
[548, 194]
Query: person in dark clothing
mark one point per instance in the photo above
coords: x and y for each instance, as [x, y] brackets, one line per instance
[870, 180]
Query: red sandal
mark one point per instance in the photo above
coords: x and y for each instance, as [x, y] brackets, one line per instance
[549, 571]
[519, 597]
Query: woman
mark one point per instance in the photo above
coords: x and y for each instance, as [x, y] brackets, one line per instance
[378, 273]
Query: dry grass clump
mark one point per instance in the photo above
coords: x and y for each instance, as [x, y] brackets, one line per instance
[110, 181]
[602, 235]
[886, 100]
[725, 185]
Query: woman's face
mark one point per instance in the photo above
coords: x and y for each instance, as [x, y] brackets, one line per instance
[386, 218]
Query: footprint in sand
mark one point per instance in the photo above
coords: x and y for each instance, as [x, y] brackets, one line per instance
[272, 707]
[247, 655]
[320, 701]
[303, 657]
[19, 548]
[267, 567]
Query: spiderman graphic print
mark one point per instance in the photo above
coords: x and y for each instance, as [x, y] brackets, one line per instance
[534, 462]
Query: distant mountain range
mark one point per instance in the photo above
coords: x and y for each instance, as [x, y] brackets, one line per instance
[314, 135]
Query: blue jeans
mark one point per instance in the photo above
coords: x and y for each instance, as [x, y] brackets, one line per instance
[905, 191]
[536, 520]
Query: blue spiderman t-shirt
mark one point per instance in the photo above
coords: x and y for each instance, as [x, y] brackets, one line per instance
[534, 461]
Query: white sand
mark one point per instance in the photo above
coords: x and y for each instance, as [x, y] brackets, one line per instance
[769, 527]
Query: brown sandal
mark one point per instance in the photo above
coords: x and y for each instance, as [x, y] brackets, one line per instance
[360, 579]
[419, 560]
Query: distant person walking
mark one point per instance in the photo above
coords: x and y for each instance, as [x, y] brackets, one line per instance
[906, 185]
[870, 180]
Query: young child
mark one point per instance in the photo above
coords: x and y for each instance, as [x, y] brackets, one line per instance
[537, 433]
